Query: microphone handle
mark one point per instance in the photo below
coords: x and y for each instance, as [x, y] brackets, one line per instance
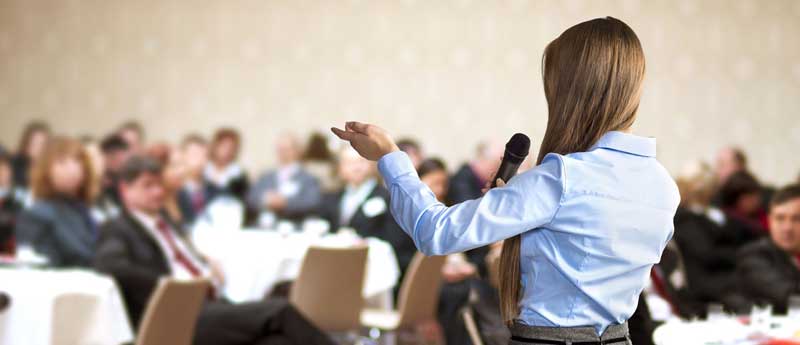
[506, 171]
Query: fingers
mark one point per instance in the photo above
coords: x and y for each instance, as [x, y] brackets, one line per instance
[500, 182]
[343, 134]
[357, 127]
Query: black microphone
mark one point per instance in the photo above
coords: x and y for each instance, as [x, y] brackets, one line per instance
[516, 150]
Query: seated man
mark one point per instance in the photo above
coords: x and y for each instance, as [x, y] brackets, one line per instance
[768, 269]
[363, 205]
[288, 192]
[142, 245]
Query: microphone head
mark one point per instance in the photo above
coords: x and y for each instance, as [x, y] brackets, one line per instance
[517, 148]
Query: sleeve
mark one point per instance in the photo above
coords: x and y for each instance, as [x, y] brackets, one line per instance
[255, 195]
[528, 201]
[306, 200]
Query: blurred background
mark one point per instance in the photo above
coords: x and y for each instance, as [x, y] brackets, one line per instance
[155, 145]
[448, 73]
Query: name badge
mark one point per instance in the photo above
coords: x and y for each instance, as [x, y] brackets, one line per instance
[374, 206]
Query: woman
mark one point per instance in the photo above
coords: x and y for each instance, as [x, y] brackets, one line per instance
[59, 224]
[583, 228]
[224, 174]
[30, 147]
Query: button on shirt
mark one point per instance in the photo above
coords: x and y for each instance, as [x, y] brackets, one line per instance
[592, 224]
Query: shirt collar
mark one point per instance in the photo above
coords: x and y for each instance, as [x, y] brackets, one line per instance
[628, 143]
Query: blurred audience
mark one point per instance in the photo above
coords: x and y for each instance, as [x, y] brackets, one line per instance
[469, 180]
[768, 269]
[59, 225]
[740, 199]
[9, 205]
[413, 149]
[195, 193]
[143, 244]
[31, 144]
[363, 205]
[133, 133]
[223, 172]
[319, 161]
[729, 160]
[707, 244]
[288, 192]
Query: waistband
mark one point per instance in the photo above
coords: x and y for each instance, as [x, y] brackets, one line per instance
[614, 334]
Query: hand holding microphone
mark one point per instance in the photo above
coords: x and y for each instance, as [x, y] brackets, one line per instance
[517, 149]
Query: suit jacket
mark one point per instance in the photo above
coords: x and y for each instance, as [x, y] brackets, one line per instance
[767, 275]
[709, 254]
[60, 229]
[299, 205]
[127, 251]
[380, 225]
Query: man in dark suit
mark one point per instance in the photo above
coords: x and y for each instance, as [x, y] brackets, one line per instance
[142, 245]
[768, 269]
[363, 205]
[195, 194]
[288, 192]
[9, 206]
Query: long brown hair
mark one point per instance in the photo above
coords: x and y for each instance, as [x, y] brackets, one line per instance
[59, 148]
[592, 77]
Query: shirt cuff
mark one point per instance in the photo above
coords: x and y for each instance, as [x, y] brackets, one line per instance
[394, 165]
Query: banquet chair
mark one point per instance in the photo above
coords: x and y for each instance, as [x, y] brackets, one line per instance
[328, 290]
[417, 299]
[72, 313]
[172, 312]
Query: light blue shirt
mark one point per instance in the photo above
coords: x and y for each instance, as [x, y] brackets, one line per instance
[592, 223]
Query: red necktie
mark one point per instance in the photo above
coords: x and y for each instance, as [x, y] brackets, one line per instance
[198, 200]
[180, 257]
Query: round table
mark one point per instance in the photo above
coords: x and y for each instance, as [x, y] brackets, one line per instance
[253, 261]
[85, 308]
[729, 330]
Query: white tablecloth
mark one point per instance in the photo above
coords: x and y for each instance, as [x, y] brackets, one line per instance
[726, 331]
[29, 318]
[253, 261]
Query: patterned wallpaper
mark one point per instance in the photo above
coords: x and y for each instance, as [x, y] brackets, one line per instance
[448, 72]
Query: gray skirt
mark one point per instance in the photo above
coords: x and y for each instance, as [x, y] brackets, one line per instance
[535, 335]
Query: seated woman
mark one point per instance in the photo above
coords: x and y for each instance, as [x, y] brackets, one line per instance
[59, 225]
[223, 172]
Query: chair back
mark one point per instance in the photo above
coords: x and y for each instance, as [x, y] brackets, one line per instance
[172, 312]
[419, 292]
[72, 315]
[328, 290]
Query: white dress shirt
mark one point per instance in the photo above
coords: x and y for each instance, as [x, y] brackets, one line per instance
[352, 198]
[178, 270]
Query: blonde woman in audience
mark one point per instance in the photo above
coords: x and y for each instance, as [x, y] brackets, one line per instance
[59, 224]
[225, 175]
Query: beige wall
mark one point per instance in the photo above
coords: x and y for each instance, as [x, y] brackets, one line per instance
[446, 72]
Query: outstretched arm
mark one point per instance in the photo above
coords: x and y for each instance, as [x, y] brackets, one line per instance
[528, 201]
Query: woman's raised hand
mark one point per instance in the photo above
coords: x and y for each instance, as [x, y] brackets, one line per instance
[370, 141]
